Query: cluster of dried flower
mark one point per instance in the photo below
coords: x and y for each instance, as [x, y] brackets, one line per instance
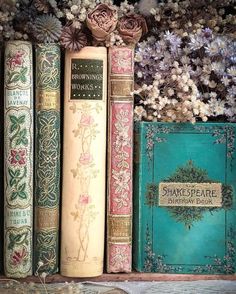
[186, 68]
[73, 23]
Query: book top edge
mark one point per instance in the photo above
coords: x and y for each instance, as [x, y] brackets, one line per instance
[186, 123]
[16, 42]
[86, 51]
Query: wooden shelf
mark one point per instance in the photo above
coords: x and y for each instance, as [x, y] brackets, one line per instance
[131, 277]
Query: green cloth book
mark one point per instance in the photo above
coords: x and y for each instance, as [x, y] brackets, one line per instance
[18, 159]
[47, 158]
[184, 203]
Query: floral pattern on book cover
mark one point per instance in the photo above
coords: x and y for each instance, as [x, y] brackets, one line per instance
[85, 212]
[120, 257]
[122, 61]
[121, 152]
[18, 159]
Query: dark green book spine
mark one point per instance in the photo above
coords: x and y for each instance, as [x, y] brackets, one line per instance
[47, 158]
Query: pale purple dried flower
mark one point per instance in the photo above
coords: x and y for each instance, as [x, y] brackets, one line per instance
[207, 33]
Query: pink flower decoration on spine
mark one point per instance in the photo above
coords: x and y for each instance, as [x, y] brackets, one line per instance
[86, 120]
[18, 157]
[16, 60]
[18, 257]
[85, 158]
[84, 199]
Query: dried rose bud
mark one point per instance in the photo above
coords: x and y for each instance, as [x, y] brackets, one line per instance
[131, 28]
[102, 21]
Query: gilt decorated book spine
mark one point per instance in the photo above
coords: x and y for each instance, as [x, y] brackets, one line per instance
[84, 161]
[120, 158]
[18, 157]
[47, 158]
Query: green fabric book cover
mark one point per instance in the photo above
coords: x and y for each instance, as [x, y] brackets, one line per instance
[47, 158]
[18, 159]
[184, 198]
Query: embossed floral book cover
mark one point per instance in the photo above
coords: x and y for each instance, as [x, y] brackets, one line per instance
[184, 203]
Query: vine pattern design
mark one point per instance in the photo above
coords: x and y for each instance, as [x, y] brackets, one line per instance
[18, 67]
[221, 265]
[121, 167]
[48, 186]
[18, 190]
[120, 257]
[48, 158]
[18, 158]
[154, 262]
[46, 249]
[222, 134]
[48, 67]
[18, 245]
[84, 212]
[17, 169]
[152, 136]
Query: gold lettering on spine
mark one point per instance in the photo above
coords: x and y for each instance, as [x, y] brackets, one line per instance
[119, 229]
[121, 88]
[190, 194]
[46, 218]
[47, 100]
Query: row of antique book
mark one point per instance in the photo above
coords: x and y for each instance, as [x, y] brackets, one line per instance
[184, 175]
[33, 157]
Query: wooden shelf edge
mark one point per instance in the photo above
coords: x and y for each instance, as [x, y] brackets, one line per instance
[134, 276]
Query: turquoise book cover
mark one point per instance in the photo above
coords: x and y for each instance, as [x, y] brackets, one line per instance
[184, 198]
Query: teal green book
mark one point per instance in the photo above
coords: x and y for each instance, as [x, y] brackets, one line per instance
[47, 158]
[184, 198]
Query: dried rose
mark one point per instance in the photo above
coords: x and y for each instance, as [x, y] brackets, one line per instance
[131, 28]
[102, 21]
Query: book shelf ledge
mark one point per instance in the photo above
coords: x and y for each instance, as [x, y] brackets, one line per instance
[134, 276]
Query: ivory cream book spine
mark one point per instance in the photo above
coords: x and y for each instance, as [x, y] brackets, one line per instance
[120, 159]
[47, 158]
[84, 163]
[18, 159]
